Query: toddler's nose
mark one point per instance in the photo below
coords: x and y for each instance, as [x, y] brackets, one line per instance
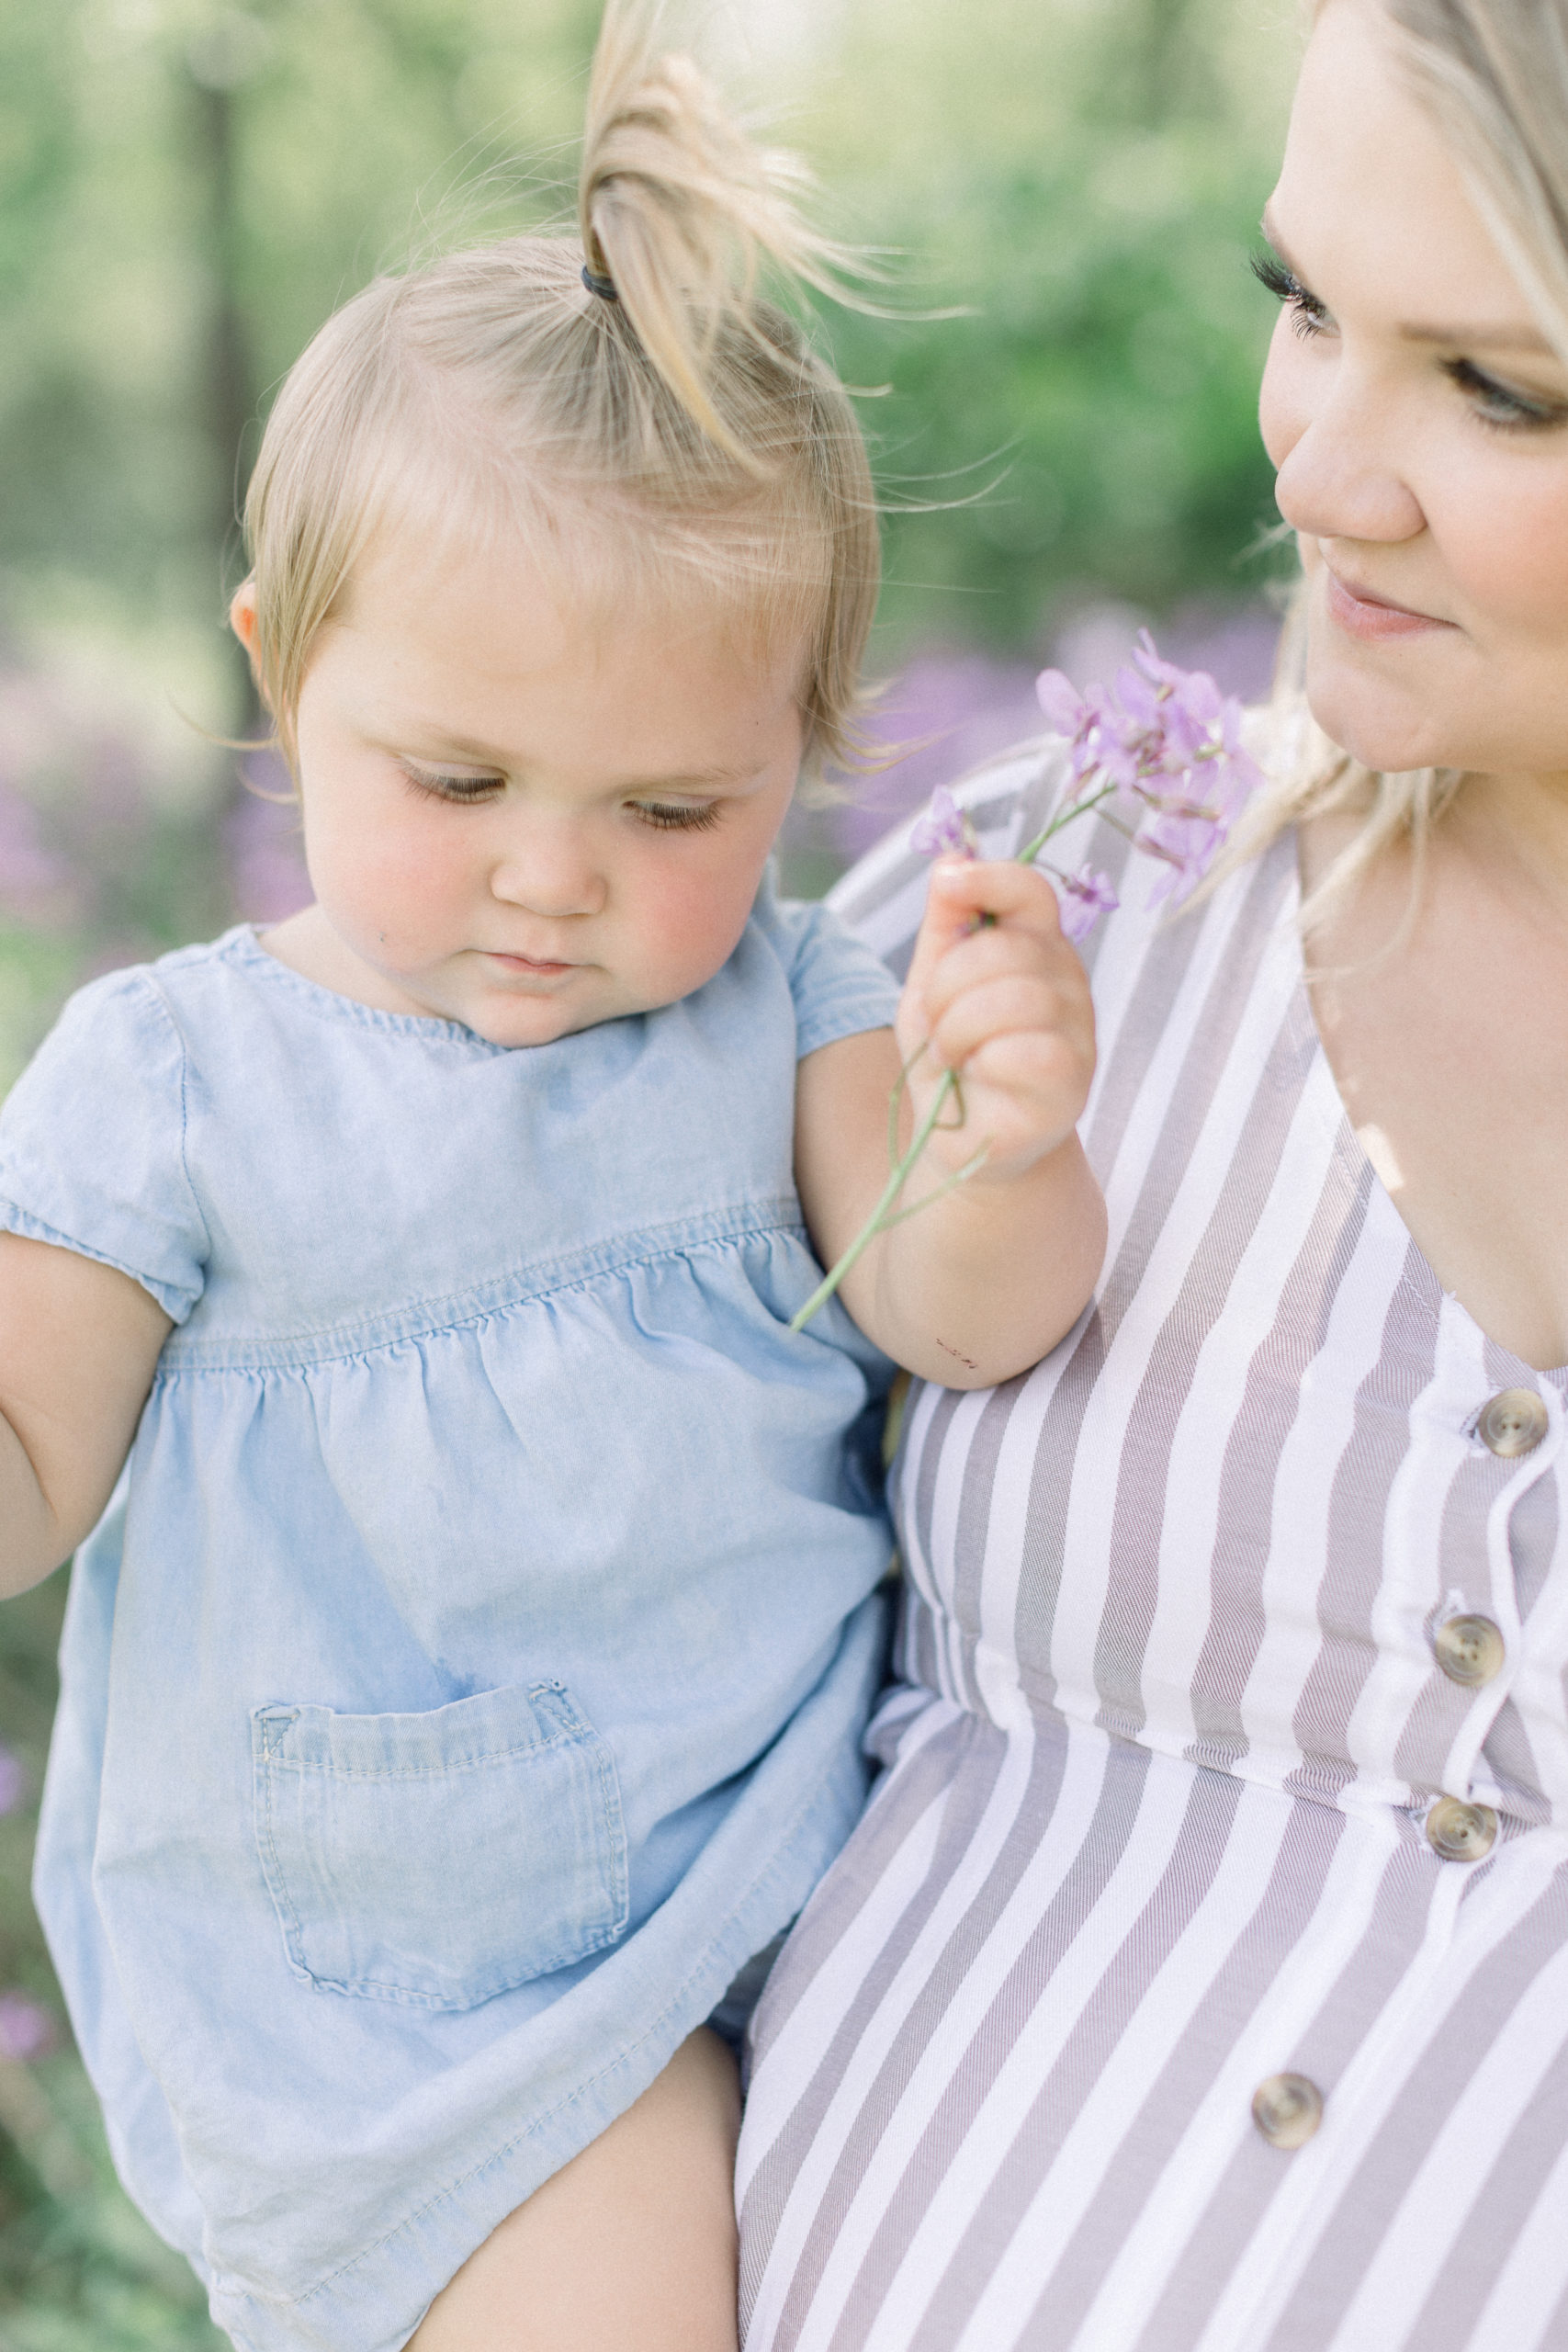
[549, 878]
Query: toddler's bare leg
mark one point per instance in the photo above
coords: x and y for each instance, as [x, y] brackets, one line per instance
[630, 2248]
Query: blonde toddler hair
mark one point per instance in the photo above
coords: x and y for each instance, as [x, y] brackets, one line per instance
[679, 439]
[1494, 75]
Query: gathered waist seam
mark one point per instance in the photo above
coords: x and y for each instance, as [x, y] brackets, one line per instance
[186, 1352]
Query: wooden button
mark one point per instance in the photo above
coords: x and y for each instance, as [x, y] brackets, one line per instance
[1513, 1422]
[1470, 1649]
[1460, 1832]
[1287, 2109]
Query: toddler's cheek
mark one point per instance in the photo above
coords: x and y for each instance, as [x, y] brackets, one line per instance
[385, 896]
[688, 933]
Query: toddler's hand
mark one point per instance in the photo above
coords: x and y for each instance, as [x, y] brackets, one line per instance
[1006, 1005]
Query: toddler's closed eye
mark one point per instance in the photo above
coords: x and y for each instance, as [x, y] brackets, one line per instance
[437, 786]
[691, 819]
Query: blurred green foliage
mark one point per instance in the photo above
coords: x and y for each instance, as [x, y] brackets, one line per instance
[187, 190]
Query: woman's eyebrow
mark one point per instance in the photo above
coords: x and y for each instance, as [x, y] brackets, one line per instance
[1495, 339]
[1510, 336]
[1273, 237]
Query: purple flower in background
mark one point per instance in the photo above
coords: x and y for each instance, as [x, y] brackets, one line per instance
[30, 874]
[945, 830]
[27, 2030]
[1085, 897]
[13, 1781]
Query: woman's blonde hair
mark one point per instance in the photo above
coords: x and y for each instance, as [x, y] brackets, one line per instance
[671, 433]
[1495, 75]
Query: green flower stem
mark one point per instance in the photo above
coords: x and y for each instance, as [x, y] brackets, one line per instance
[1031, 850]
[880, 1216]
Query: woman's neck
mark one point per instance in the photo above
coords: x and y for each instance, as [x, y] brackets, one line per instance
[1512, 830]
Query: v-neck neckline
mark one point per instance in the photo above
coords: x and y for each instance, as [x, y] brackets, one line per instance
[1290, 914]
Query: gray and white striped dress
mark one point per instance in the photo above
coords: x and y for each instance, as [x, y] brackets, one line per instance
[1233, 1746]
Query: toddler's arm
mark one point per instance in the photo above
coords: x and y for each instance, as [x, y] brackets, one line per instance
[984, 1283]
[79, 1343]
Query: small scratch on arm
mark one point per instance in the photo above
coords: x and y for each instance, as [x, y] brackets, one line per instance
[958, 1356]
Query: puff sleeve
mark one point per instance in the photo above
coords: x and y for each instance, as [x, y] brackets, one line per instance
[92, 1142]
[839, 984]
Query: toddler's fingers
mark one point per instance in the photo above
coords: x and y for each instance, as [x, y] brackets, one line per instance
[963, 892]
[1044, 1073]
[999, 951]
[964, 889]
[1015, 1004]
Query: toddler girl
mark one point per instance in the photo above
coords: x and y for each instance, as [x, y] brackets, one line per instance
[464, 1683]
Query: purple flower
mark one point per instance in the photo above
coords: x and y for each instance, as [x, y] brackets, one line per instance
[1158, 673]
[945, 830]
[1163, 747]
[27, 2030]
[1085, 897]
[1186, 844]
[13, 1781]
[1065, 708]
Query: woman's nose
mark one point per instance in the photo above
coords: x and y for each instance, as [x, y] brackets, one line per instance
[1341, 476]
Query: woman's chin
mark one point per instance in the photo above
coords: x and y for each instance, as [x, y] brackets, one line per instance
[1378, 726]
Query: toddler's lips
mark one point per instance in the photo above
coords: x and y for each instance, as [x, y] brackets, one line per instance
[527, 967]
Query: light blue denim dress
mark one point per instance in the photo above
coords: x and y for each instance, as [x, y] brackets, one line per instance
[468, 1677]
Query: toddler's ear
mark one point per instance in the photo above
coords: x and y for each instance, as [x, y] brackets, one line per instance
[243, 618]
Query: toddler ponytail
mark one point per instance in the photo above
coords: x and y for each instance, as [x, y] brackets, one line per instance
[632, 409]
[679, 212]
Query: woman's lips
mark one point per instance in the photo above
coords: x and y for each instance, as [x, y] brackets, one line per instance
[1368, 618]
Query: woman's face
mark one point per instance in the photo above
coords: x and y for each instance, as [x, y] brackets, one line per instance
[1419, 422]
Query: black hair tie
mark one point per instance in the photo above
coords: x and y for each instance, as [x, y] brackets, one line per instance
[604, 287]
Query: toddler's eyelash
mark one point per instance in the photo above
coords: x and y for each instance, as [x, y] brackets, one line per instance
[676, 819]
[451, 788]
[1287, 287]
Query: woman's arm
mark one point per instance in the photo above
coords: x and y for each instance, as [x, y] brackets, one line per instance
[79, 1343]
[984, 1282]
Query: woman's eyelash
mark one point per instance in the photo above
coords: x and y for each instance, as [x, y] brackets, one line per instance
[1495, 405]
[689, 819]
[1286, 286]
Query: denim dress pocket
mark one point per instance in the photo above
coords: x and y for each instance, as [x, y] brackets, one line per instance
[440, 1859]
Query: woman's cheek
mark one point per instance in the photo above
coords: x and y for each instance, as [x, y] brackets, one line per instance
[1507, 545]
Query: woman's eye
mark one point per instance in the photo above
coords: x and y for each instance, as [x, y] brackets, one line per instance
[675, 818]
[1309, 316]
[1496, 405]
[452, 788]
